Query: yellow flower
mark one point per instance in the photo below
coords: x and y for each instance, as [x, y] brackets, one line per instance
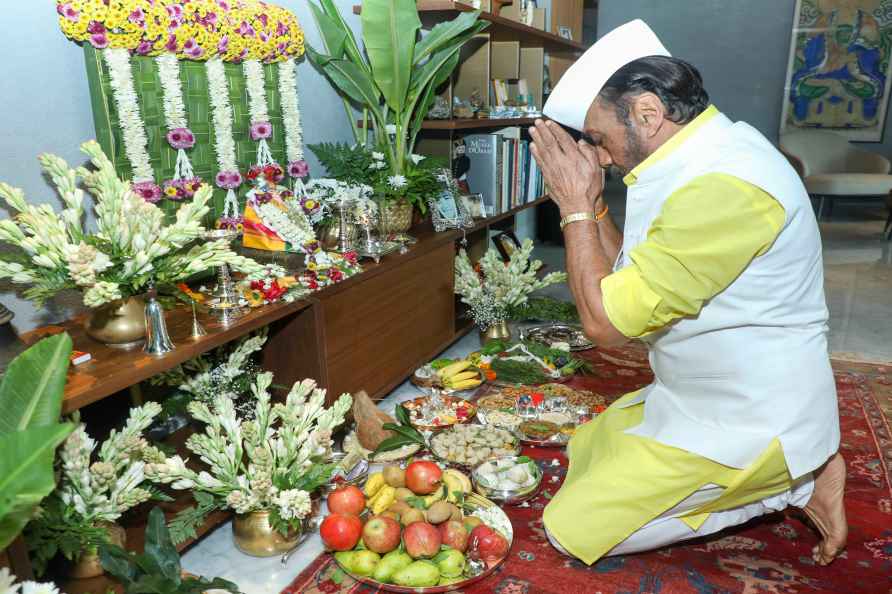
[286, 281]
[253, 297]
[170, 191]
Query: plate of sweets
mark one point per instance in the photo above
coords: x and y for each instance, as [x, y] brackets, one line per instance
[538, 418]
[425, 532]
[438, 411]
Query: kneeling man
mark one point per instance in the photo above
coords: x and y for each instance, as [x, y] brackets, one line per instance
[719, 271]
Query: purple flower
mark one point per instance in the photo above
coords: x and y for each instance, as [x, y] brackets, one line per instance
[223, 44]
[312, 246]
[144, 47]
[99, 40]
[175, 12]
[261, 130]
[95, 27]
[261, 197]
[263, 18]
[192, 49]
[223, 4]
[171, 44]
[181, 138]
[264, 37]
[147, 190]
[209, 20]
[242, 54]
[245, 29]
[138, 16]
[229, 222]
[67, 11]
[228, 180]
[298, 168]
[281, 28]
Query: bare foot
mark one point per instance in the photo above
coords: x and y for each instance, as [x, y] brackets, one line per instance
[825, 509]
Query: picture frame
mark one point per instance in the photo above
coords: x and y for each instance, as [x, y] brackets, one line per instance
[565, 32]
[474, 205]
[507, 243]
[448, 210]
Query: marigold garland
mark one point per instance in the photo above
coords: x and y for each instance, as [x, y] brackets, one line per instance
[233, 30]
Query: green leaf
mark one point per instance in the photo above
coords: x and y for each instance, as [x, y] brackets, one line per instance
[393, 443]
[407, 432]
[32, 387]
[350, 79]
[416, 502]
[351, 47]
[428, 97]
[159, 545]
[402, 415]
[118, 563]
[442, 33]
[333, 35]
[389, 31]
[26, 475]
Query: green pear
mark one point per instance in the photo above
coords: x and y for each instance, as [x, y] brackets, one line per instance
[450, 562]
[419, 574]
[364, 562]
[445, 581]
[345, 558]
[391, 563]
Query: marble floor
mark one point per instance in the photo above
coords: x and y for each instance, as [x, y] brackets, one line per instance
[858, 277]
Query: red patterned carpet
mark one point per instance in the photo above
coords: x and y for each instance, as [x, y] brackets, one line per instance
[770, 555]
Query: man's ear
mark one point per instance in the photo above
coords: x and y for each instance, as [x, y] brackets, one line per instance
[647, 113]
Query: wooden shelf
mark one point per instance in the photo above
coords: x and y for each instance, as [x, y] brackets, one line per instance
[481, 223]
[470, 123]
[114, 369]
[502, 29]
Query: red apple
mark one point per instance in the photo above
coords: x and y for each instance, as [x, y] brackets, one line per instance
[487, 545]
[340, 532]
[453, 534]
[381, 534]
[346, 500]
[422, 540]
[423, 477]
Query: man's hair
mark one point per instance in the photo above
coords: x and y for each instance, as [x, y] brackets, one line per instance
[677, 84]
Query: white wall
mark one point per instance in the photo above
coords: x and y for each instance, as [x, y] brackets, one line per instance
[45, 107]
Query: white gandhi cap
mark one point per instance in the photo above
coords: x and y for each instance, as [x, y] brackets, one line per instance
[580, 85]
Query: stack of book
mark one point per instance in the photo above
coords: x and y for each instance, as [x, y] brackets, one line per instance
[502, 170]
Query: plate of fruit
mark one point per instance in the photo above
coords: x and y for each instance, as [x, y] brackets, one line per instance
[418, 529]
[449, 375]
[438, 411]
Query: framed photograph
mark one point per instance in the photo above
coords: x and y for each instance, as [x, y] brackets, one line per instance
[448, 210]
[565, 32]
[507, 243]
[474, 205]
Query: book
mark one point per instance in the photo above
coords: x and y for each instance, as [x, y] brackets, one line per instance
[484, 175]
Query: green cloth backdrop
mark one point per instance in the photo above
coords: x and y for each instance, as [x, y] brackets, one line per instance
[195, 97]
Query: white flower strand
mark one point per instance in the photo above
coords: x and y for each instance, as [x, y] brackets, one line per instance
[174, 108]
[218, 92]
[254, 83]
[291, 226]
[132, 128]
[294, 148]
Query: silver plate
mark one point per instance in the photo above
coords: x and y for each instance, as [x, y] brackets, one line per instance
[549, 334]
[382, 248]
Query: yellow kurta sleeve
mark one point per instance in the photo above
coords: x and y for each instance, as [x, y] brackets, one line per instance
[706, 234]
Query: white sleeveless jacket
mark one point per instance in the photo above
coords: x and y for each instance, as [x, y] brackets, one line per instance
[753, 364]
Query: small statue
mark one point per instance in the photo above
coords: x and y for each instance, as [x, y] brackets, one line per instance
[439, 110]
[475, 100]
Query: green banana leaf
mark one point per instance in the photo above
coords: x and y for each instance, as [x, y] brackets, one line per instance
[30, 405]
[350, 46]
[429, 96]
[333, 35]
[31, 389]
[443, 33]
[349, 78]
[26, 474]
[389, 30]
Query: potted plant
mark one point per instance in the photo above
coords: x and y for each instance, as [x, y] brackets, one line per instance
[92, 494]
[158, 569]
[393, 81]
[494, 287]
[30, 404]
[131, 247]
[267, 469]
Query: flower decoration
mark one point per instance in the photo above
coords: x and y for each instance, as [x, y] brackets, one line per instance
[294, 149]
[8, 585]
[181, 189]
[189, 29]
[298, 168]
[270, 173]
[181, 138]
[260, 130]
[147, 190]
[327, 268]
[228, 176]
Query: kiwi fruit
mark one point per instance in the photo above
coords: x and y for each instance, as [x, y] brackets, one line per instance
[399, 507]
[439, 512]
[394, 476]
[411, 516]
[402, 493]
[456, 513]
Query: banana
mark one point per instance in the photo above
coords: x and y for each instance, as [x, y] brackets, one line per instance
[464, 375]
[385, 497]
[374, 484]
[466, 384]
[453, 369]
[457, 484]
[462, 478]
[436, 496]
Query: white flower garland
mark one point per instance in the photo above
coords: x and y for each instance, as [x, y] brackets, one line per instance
[178, 135]
[224, 145]
[294, 147]
[261, 129]
[284, 225]
[132, 127]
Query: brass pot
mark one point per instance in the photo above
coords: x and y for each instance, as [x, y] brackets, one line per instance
[394, 216]
[497, 331]
[88, 565]
[329, 234]
[253, 535]
[121, 323]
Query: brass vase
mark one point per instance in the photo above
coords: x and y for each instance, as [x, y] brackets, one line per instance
[394, 216]
[496, 331]
[253, 535]
[329, 234]
[121, 323]
[88, 565]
